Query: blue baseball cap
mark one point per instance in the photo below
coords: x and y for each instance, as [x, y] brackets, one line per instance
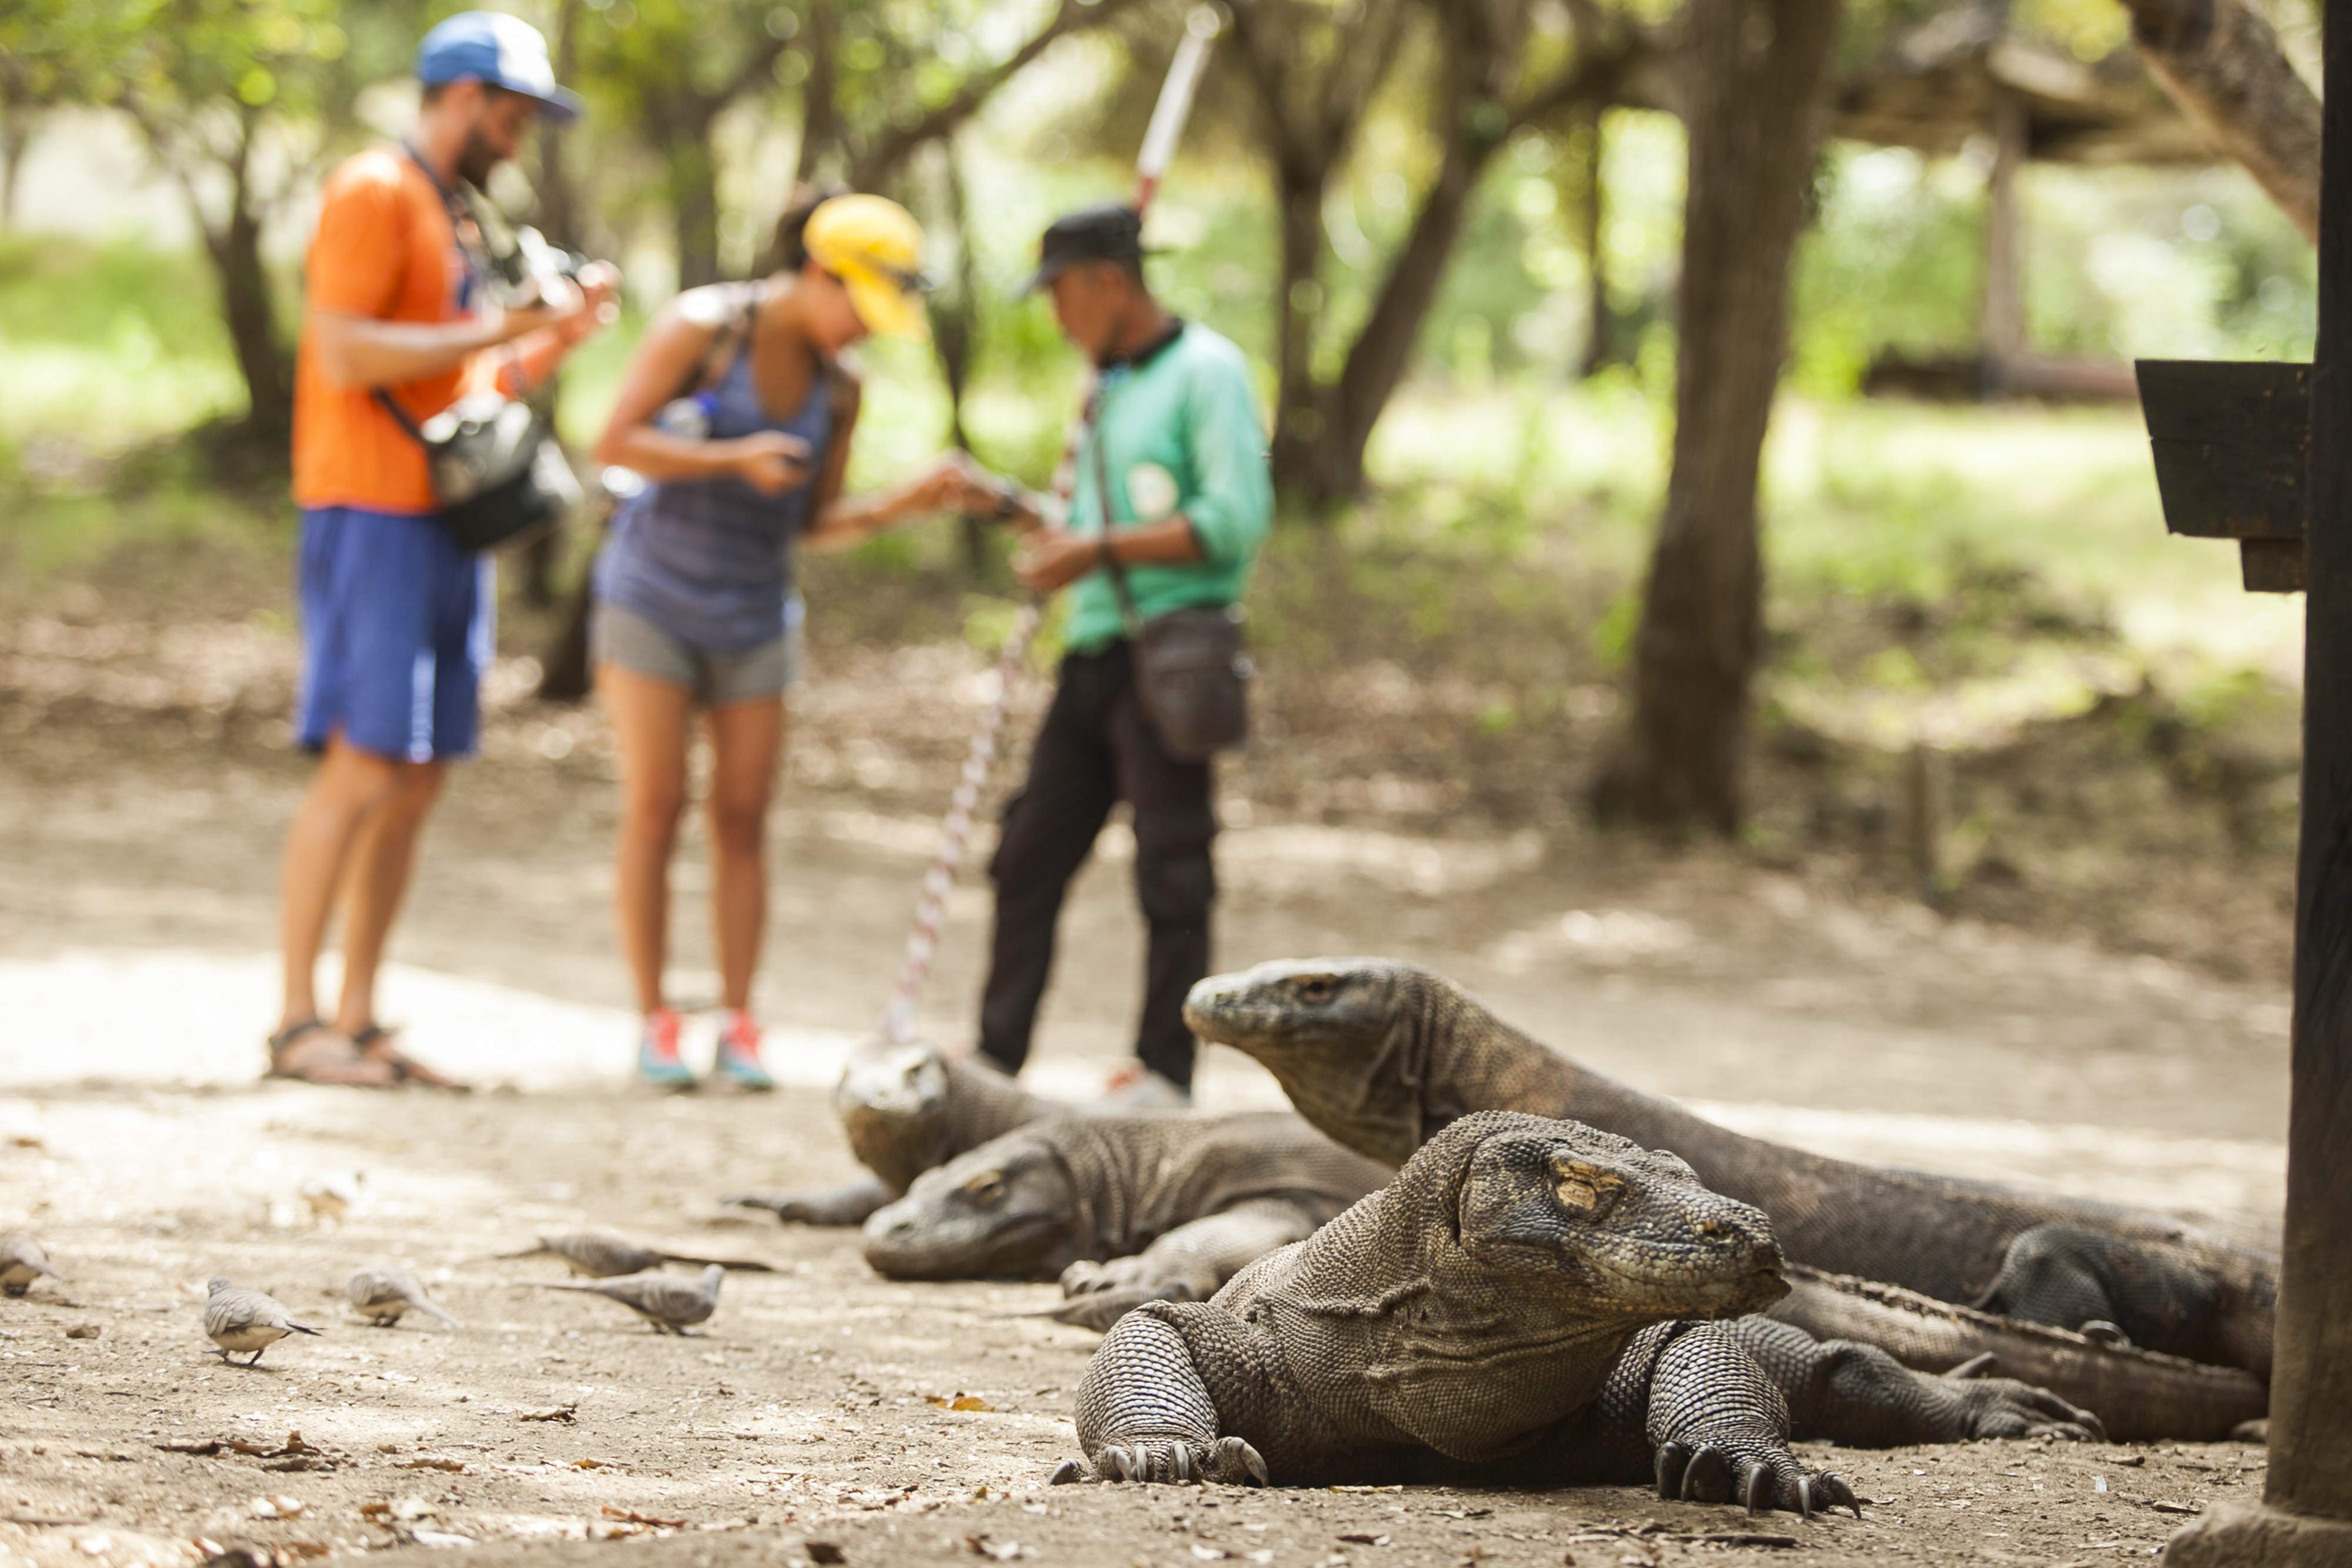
[502, 50]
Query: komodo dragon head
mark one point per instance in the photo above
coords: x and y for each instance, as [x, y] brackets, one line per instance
[1008, 1208]
[1348, 1039]
[892, 1100]
[1557, 1212]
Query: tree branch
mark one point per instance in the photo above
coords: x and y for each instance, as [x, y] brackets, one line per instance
[2221, 63]
[894, 146]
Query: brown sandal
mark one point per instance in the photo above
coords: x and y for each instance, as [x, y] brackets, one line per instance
[307, 1052]
[374, 1042]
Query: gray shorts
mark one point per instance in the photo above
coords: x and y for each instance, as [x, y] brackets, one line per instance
[621, 636]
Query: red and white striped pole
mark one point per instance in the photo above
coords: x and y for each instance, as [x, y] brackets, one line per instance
[1160, 140]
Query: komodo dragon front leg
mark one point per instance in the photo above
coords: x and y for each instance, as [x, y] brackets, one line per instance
[1188, 1264]
[1147, 1411]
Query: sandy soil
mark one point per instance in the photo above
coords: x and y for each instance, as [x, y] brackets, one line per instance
[136, 862]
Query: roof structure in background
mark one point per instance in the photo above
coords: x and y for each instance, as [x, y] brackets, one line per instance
[1942, 83]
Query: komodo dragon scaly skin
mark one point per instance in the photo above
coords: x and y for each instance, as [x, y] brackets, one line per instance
[907, 1107]
[1529, 1301]
[1121, 1208]
[1382, 1055]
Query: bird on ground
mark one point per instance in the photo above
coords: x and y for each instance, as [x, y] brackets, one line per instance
[332, 1194]
[382, 1295]
[239, 1320]
[22, 1261]
[668, 1302]
[603, 1255]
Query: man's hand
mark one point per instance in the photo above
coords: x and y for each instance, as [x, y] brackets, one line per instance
[1053, 559]
[600, 299]
[769, 460]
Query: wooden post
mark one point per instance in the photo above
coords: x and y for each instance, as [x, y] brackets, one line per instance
[2311, 1400]
[2001, 326]
[2306, 1517]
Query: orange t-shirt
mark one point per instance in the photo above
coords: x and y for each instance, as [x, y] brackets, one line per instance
[384, 248]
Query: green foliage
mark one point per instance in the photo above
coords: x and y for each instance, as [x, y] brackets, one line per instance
[185, 66]
[97, 344]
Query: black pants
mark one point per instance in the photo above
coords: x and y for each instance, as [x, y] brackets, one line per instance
[1095, 750]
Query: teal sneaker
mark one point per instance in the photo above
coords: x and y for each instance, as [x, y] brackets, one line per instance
[739, 1053]
[658, 1062]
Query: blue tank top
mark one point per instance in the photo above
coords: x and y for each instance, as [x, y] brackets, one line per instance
[710, 560]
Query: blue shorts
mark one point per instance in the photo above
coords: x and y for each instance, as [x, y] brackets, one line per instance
[397, 628]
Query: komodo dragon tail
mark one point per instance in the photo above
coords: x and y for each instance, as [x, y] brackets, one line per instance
[2139, 1395]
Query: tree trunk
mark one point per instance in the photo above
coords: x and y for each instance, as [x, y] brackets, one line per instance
[234, 245]
[2222, 64]
[2001, 326]
[820, 110]
[558, 192]
[1591, 204]
[955, 314]
[15, 130]
[1381, 352]
[692, 177]
[559, 217]
[1297, 416]
[1758, 79]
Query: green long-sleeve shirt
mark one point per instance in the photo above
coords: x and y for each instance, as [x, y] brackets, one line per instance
[1179, 435]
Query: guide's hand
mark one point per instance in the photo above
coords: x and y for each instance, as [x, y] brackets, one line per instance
[1052, 559]
[770, 461]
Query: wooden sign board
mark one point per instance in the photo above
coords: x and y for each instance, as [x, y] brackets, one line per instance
[2233, 448]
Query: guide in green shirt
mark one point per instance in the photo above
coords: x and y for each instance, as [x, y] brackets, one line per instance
[1179, 431]
[1177, 442]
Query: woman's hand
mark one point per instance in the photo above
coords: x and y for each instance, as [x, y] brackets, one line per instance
[949, 485]
[769, 460]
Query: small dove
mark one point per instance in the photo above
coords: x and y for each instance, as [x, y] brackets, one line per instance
[237, 1319]
[332, 1194]
[382, 1295]
[601, 1255]
[665, 1300]
[22, 1261]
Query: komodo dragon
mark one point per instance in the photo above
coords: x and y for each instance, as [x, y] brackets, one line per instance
[906, 1108]
[1121, 1208]
[1529, 1301]
[1382, 1055]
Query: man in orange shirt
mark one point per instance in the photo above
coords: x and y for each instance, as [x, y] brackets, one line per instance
[396, 615]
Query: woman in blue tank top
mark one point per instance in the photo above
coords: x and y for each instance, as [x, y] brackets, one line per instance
[736, 409]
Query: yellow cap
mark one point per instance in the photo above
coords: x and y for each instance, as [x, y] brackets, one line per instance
[875, 248]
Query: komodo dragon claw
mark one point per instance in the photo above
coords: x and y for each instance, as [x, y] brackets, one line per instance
[1704, 1473]
[1169, 1460]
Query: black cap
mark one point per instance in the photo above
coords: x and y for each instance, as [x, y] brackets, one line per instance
[1111, 232]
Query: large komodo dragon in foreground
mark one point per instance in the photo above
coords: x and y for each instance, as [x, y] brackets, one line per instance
[1527, 1301]
[1382, 1055]
[907, 1107]
[1121, 1209]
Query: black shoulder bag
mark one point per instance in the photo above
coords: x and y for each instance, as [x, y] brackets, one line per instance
[498, 474]
[1192, 666]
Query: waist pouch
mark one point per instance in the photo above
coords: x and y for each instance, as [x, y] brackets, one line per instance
[1191, 676]
[499, 476]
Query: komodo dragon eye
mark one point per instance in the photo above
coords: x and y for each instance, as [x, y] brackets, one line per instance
[1315, 988]
[987, 1188]
[1580, 1185]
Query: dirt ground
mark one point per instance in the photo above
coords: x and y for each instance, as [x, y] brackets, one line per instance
[138, 837]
